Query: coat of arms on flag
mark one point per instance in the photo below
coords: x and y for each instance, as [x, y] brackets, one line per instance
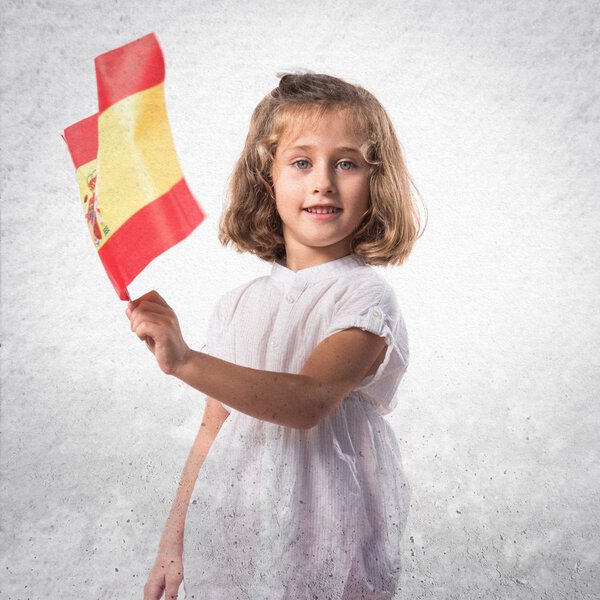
[134, 196]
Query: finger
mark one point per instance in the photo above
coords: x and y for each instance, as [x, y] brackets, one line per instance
[150, 310]
[158, 320]
[153, 591]
[148, 306]
[147, 329]
[172, 589]
[152, 296]
[129, 309]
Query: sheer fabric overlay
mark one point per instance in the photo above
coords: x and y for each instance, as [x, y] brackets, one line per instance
[283, 513]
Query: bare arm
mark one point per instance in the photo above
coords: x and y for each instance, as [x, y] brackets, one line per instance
[214, 417]
[301, 400]
[166, 575]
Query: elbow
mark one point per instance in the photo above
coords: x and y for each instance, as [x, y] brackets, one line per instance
[312, 408]
[314, 414]
[309, 423]
[317, 416]
[295, 420]
[315, 403]
[303, 422]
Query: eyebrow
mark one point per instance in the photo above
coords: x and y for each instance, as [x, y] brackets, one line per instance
[310, 147]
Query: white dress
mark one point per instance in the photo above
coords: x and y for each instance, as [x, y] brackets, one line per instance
[282, 513]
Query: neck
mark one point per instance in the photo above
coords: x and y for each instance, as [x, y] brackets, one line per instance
[298, 258]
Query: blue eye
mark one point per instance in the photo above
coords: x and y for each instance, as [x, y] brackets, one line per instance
[346, 165]
[302, 164]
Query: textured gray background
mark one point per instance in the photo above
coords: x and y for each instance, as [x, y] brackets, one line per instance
[496, 105]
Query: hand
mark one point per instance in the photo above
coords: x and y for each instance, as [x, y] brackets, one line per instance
[165, 576]
[155, 323]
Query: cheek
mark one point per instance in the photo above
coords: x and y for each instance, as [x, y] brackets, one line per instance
[288, 190]
[282, 202]
[367, 192]
[362, 193]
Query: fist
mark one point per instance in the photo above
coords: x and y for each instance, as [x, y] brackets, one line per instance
[155, 323]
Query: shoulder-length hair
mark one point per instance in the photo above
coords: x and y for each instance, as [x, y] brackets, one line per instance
[250, 221]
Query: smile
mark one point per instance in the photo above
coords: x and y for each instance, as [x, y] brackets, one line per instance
[322, 211]
[322, 214]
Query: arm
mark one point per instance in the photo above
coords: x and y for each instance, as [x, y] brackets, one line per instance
[301, 400]
[214, 417]
[332, 371]
[167, 573]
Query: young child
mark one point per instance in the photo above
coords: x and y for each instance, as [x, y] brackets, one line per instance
[302, 494]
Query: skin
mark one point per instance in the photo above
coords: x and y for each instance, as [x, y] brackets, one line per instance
[166, 574]
[320, 166]
[314, 166]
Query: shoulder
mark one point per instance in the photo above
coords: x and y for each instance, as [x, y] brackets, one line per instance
[365, 276]
[229, 302]
[365, 299]
[368, 287]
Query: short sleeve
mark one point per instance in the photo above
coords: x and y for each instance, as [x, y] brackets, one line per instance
[370, 304]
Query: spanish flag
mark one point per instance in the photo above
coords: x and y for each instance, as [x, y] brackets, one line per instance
[135, 199]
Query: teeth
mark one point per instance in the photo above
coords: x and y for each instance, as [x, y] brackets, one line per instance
[321, 211]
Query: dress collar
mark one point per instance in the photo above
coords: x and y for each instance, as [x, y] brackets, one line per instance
[287, 277]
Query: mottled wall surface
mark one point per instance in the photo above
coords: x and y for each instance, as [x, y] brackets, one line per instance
[496, 105]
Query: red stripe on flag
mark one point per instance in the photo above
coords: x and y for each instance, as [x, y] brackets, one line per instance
[82, 140]
[139, 240]
[128, 70]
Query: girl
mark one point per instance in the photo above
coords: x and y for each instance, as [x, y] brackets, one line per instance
[302, 494]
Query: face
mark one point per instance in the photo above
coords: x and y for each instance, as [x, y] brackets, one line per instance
[321, 187]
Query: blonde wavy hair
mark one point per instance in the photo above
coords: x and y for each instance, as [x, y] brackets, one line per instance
[250, 221]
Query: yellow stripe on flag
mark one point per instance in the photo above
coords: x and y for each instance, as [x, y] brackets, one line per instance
[136, 155]
[136, 201]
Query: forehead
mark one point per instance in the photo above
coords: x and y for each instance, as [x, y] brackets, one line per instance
[303, 124]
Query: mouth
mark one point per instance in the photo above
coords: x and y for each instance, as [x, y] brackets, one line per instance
[322, 210]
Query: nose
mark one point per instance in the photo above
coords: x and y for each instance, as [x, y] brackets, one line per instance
[323, 180]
